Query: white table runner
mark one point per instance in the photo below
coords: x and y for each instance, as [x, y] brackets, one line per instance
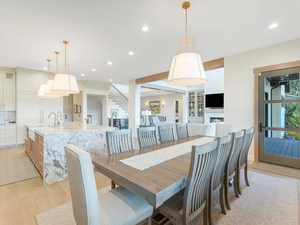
[150, 159]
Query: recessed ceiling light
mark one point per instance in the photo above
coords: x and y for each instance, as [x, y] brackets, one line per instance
[273, 26]
[83, 75]
[109, 63]
[93, 70]
[145, 28]
[130, 53]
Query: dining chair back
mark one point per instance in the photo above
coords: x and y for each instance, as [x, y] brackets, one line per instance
[90, 208]
[223, 156]
[222, 129]
[162, 118]
[166, 133]
[217, 184]
[83, 186]
[147, 136]
[233, 161]
[197, 129]
[119, 141]
[249, 133]
[203, 162]
[231, 169]
[243, 159]
[182, 130]
[154, 120]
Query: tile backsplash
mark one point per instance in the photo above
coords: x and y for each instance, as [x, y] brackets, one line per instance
[7, 116]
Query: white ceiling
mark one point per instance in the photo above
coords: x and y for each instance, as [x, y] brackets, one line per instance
[106, 30]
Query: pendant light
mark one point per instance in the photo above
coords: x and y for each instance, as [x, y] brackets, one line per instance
[50, 82]
[45, 89]
[187, 68]
[42, 91]
[65, 83]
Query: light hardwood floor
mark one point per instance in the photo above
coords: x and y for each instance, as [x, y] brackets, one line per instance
[21, 201]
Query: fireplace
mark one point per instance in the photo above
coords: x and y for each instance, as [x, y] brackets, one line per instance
[216, 119]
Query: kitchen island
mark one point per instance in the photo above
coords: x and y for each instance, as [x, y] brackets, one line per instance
[45, 146]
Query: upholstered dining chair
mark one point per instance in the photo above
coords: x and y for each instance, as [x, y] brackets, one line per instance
[166, 133]
[217, 182]
[186, 207]
[147, 136]
[116, 207]
[243, 159]
[182, 130]
[119, 141]
[231, 169]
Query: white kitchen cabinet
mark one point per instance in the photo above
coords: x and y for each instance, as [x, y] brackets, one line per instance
[8, 135]
[7, 108]
[7, 91]
[196, 105]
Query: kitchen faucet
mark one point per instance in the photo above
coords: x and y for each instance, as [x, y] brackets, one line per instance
[55, 117]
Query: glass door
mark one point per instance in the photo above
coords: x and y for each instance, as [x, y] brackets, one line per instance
[279, 117]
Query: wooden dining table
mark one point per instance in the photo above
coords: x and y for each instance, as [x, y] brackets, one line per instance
[156, 184]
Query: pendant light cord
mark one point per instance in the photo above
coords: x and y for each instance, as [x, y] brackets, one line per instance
[186, 26]
[48, 65]
[56, 61]
[48, 68]
[186, 5]
[66, 66]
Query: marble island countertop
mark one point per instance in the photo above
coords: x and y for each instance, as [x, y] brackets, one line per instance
[90, 138]
[69, 128]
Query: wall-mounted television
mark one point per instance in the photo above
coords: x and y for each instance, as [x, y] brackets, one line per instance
[214, 100]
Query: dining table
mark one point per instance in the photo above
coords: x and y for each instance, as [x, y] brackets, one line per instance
[156, 183]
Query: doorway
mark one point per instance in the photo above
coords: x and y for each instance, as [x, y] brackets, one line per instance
[279, 117]
[95, 109]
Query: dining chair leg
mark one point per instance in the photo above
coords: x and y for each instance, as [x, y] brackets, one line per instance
[221, 199]
[209, 206]
[246, 175]
[226, 193]
[239, 181]
[235, 186]
[113, 184]
[205, 215]
[149, 220]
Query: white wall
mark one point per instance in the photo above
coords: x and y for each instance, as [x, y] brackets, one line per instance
[167, 105]
[94, 87]
[68, 107]
[90, 87]
[95, 108]
[215, 81]
[239, 82]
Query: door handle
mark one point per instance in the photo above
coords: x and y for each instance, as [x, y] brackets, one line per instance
[260, 127]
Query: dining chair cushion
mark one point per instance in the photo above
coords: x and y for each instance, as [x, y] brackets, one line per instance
[122, 207]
